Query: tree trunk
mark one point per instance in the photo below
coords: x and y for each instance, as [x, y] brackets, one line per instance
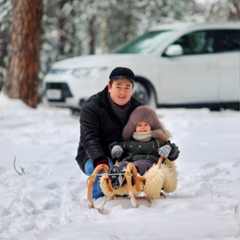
[24, 51]
[92, 35]
[234, 13]
[62, 21]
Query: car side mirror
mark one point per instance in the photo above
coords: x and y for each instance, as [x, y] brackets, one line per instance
[174, 50]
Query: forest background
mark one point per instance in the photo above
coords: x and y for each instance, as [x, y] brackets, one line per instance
[71, 28]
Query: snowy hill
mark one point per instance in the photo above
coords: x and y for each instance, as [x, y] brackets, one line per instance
[48, 201]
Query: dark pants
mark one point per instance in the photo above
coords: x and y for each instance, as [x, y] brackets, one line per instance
[141, 165]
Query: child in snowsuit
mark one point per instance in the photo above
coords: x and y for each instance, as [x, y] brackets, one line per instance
[145, 138]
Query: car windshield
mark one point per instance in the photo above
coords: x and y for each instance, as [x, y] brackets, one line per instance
[145, 43]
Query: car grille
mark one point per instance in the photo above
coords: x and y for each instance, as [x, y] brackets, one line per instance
[66, 93]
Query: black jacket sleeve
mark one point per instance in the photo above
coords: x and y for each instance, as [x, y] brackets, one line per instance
[90, 132]
[173, 155]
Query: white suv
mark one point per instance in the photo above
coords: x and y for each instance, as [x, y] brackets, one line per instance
[177, 65]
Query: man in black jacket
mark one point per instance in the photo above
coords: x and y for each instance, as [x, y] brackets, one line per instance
[102, 119]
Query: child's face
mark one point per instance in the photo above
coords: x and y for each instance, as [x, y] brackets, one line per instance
[143, 127]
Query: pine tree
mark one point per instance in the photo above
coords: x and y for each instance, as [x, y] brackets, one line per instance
[23, 62]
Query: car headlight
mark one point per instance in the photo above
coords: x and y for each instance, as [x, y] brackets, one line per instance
[87, 72]
[58, 70]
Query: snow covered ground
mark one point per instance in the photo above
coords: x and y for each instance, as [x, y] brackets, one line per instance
[48, 201]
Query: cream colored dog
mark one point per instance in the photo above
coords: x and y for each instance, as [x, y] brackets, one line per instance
[156, 180]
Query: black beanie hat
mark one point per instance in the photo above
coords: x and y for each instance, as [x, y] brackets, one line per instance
[122, 72]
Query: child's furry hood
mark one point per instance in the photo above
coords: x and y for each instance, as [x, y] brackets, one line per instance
[145, 114]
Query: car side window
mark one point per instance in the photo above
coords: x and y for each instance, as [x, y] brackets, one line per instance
[229, 40]
[198, 42]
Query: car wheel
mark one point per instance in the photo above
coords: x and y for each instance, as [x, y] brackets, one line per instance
[75, 111]
[140, 93]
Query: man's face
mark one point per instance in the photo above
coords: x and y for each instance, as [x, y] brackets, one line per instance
[121, 91]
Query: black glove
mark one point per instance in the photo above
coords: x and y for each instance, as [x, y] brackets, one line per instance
[100, 161]
[116, 152]
[173, 155]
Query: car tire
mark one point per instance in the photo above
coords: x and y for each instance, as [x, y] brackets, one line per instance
[140, 93]
[75, 112]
